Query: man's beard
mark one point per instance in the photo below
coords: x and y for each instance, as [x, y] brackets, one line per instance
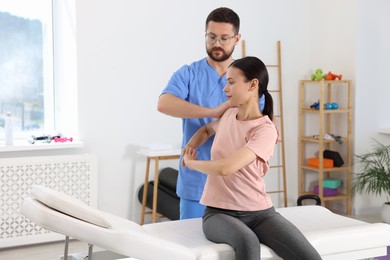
[221, 58]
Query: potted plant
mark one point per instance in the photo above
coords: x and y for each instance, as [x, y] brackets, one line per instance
[374, 175]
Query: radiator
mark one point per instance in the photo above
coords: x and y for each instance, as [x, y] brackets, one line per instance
[74, 175]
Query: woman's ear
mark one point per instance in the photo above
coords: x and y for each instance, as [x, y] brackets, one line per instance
[254, 84]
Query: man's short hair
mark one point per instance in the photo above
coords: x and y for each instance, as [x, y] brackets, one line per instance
[224, 15]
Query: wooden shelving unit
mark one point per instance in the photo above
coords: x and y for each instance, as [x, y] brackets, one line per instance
[315, 127]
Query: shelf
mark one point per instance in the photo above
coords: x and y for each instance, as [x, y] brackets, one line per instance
[152, 153]
[339, 196]
[328, 198]
[335, 82]
[24, 146]
[326, 122]
[385, 131]
[317, 140]
[334, 169]
[326, 111]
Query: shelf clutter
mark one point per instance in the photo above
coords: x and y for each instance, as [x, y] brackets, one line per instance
[325, 130]
[19, 146]
[330, 187]
[40, 142]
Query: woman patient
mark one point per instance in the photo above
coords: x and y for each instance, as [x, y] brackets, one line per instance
[239, 211]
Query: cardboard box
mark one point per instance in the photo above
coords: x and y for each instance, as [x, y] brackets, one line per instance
[315, 162]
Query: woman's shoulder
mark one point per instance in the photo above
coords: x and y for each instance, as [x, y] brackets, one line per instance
[268, 121]
[263, 125]
[231, 111]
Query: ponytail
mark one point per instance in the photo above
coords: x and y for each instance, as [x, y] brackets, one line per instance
[268, 105]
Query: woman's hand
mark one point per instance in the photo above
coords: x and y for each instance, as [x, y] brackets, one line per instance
[189, 153]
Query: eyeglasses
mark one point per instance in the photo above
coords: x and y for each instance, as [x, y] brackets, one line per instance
[224, 40]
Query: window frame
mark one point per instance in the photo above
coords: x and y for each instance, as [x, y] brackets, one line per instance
[60, 72]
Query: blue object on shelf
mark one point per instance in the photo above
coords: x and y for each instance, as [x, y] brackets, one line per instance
[331, 183]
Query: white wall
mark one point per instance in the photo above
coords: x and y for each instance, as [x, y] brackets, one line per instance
[372, 85]
[127, 51]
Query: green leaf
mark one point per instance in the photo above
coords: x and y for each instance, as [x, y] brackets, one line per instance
[373, 176]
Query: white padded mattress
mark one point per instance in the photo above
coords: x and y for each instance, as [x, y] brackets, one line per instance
[334, 236]
[331, 234]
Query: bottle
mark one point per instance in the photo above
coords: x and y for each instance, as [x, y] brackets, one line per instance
[9, 129]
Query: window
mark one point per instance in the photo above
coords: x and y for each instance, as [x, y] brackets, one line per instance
[26, 78]
[39, 37]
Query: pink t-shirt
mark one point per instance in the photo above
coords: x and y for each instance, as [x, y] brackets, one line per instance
[245, 189]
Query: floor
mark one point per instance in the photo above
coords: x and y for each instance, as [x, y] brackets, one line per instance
[53, 251]
[48, 251]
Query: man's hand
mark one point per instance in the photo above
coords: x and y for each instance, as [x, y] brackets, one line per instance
[220, 109]
[176, 107]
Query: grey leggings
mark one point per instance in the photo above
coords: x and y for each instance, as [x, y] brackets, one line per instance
[243, 230]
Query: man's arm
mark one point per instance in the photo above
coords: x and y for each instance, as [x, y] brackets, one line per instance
[176, 107]
[198, 139]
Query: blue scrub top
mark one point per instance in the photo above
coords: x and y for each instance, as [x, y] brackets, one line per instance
[199, 84]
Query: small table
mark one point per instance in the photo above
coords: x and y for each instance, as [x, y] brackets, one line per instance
[157, 156]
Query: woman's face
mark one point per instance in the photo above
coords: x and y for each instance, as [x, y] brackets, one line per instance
[238, 89]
